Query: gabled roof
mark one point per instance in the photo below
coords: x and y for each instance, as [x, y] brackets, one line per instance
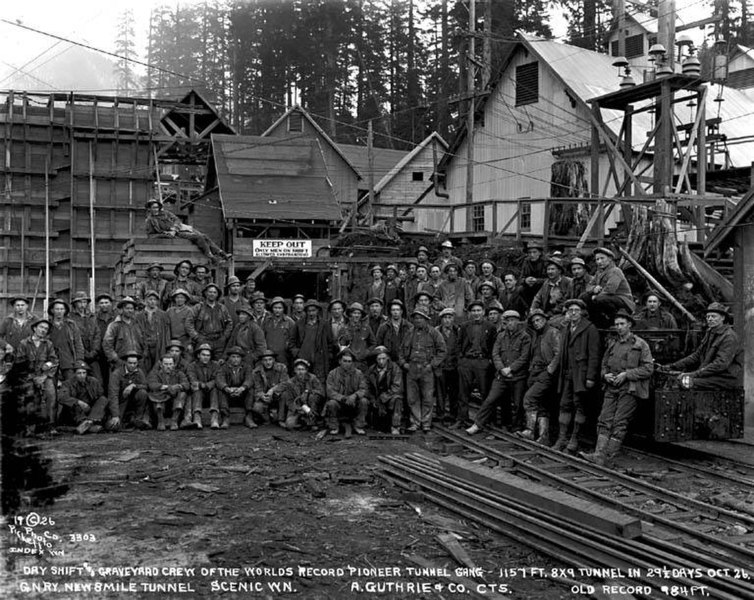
[384, 158]
[725, 228]
[317, 128]
[272, 178]
[202, 120]
[430, 139]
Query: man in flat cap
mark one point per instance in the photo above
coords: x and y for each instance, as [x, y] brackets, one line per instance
[627, 366]
[717, 363]
[202, 374]
[233, 300]
[609, 290]
[210, 322]
[510, 355]
[267, 378]
[543, 368]
[376, 287]
[580, 278]
[297, 308]
[421, 354]
[303, 395]
[66, 337]
[346, 396]
[422, 257]
[163, 223]
[83, 402]
[311, 340]
[155, 324]
[91, 337]
[234, 382]
[579, 371]
[128, 391]
[153, 282]
[476, 339]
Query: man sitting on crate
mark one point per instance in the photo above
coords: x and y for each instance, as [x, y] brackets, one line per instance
[717, 363]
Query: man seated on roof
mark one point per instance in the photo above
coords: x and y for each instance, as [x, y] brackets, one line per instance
[717, 363]
[163, 223]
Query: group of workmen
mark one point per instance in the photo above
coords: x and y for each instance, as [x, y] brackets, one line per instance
[417, 344]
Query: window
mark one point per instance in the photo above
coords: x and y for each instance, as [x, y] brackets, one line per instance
[477, 217]
[527, 84]
[615, 48]
[524, 217]
[417, 176]
[635, 45]
[295, 122]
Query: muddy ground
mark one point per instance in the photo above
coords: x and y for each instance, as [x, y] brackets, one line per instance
[280, 503]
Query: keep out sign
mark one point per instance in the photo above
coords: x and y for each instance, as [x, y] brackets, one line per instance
[282, 248]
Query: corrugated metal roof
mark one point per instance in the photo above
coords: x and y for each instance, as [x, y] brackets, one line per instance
[273, 178]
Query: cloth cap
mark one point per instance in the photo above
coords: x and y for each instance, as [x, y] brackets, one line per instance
[536, 312]
[420, 312]
[336, 301]
[245, 309]
[313, 303]
[255, 296]
[474, 303]
[575, 302]
[376, 268]
[623, 313]
[277, 300]
[155, 265]
[577, 260]
[554, 260]
[212, 285]
[375, 301]
[183, 262]
[495, 305]
[175, 344]
[152, 293]
[81, 364]
[236, 350]
[126, 300]
[129, 353]
[355, 306]
[381, 350]
[606, 251]
[269, 353]
[447, 311]
[15, 299]
[80, 296]
[152, 201]
[231, 280]
[101, 296]
[178, 292]
[397, 302]
[511, 314]
[201, 347]
[423, 249]
[302, 361]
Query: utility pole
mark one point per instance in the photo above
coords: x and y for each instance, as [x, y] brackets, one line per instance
[370, 159]
[470, 91]
[487, 48]
[663, 159]
[619, 13]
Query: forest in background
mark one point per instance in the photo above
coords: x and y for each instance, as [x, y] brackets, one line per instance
[400, 63]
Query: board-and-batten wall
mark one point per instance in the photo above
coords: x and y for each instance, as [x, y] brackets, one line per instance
[513, 147]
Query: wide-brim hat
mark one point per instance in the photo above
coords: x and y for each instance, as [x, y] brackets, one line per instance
[185, 261]
[175, 344]
[449, 265]
[58, 301]
[511, 314]
[355, 306]
[152, 201]
[232, 280]
[489, 262]
[336, 301]
[623, 313]
[488, 284]
[80, 296]
[313, 303]
[129, 353]
[12, 300]
[256, 296]
[81, 364]
[375, 301]
[447, 311]
[101, 296]
[269, 353]
[278, 300]
[554, 260]
[377, 268]
[417, 295]
[391, 267]
[40, 320]
[446, 244]
[495, 305]
[606, 251]
[474, 303]
[154, 293]
[212, 285]
[575, 302]
[245, 309]
[180, 292]
[720, 309]
[201, 347]
[536, 312]
[236, 350]
[155, 265]
[302, 361]
[421, 313]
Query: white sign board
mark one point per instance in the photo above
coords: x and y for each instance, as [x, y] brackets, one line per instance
[282, 248]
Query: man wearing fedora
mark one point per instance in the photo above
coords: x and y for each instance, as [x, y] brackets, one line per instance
[210, 322]
[201, 374]
[83, 402]
[718, 362]
[627, 366]
[556, 289]
[128, 391]
[267, 379]
[277, 331]
[446, 258]
[476, 338]
[155, 324]
[346, 396]
[90, 334]
[234, 383]
[66, 337]
[248, 336]
[421, 354]
[609, 290]
[392, 333]
[510, 355]
[153, 282]
[312, 341]
[17, 325]
[357, 336]
[124, 334]
[446, 376]
[579, 371]
[38, 359]
[303, 395]
[168, 388]
[233, 300]
[543, 368]
[163, 223]
[454, 292]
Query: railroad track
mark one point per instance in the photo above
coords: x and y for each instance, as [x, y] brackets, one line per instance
[671, 518]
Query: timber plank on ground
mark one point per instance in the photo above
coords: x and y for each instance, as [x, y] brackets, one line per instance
[549, 500]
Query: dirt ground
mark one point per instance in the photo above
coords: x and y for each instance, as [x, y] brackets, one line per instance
[294, 510]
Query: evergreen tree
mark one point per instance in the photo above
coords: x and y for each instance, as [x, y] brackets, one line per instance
[125, 48]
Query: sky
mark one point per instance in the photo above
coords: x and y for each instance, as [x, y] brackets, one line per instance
[94, 22]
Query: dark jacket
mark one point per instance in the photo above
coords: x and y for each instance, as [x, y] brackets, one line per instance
[637, 364]
[388, 336]
[264, 381]
[613, 283]
[384, 389]
[512, 349]
[322, 349]
[68, 344]
[250, 338]
[661, 320]
[228, 376]
[121, 378]
[545, 349]
[426, 347]
[200, 376]
[122, 337]
[488, 339]
[719, 354]
[90, 334]
[579, 355]
[176, 379]
[37, 356]
[451, 338]
[550, 298]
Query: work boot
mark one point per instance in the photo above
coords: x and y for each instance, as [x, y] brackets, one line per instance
[249, 421]
[347, 428]
[564, 421]
[173, 423]
[214, 420]
[187, 423]
[359, 431]
[225, 423]
[531, 423]
[573, 443]
[96, 428]
[474, 429]
[84, 426]
[160, 420]
[613, 446]
[544, 431]
[395, 431]
[198, 420]
[598, 455]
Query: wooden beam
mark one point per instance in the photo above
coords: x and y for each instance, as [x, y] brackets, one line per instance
[597, 126]
[450, 542]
